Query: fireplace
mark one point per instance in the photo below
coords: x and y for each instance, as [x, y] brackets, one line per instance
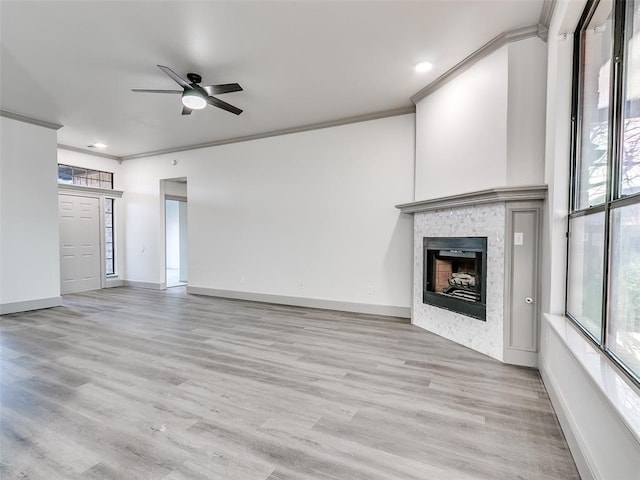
[455, 273]
[503, 225]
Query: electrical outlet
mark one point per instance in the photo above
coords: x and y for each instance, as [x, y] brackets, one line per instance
[370, 290]
[242, 279]
[301, 284]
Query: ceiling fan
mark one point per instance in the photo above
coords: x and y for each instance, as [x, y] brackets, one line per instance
[196, 96]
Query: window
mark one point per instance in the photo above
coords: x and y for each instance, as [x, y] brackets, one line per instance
[87, 177]
[109, 243]
[603, 279]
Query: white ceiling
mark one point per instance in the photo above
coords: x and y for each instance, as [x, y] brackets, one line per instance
[299, 62]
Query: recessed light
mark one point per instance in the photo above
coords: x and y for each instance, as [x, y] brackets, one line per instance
[97, 145]
[424, 67]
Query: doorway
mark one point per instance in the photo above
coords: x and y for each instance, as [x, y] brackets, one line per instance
[176, 258]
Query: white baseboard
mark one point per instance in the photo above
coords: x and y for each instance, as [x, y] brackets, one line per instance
[28, 305]
[147, 285]
[522, 358]
[567, 423]
[114, 282]
[386, 310]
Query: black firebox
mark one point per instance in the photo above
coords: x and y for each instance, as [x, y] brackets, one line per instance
[455, 274]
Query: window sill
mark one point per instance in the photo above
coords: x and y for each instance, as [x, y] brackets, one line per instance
[622, 396]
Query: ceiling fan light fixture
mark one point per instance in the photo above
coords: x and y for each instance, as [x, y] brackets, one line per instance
[193, 100]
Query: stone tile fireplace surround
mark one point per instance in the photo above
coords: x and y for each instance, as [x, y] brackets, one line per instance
[509, 217]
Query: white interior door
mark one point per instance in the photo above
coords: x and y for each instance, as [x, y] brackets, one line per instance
[80, 259]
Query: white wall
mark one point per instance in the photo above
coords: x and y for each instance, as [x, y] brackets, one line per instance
[307, 215]
[29, 234]
[484, 128]
[461, 143]
[526, 112]
[583, 385]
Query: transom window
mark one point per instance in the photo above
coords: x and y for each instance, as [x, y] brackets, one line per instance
[603, 281]
[72, 175]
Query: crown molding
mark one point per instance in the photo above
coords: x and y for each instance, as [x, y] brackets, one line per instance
[546, 14]
[32, 121]
[488, 48]
[88, 152]
[276, 133]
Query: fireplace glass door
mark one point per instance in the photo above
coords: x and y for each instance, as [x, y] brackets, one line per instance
[455, 274]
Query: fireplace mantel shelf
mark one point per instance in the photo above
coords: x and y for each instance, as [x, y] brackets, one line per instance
[492, 195]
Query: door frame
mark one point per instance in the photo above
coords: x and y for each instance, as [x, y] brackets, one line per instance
[176, 198]
[100, 194]
[164, 196]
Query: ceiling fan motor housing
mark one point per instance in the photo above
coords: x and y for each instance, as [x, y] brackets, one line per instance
[194, 77]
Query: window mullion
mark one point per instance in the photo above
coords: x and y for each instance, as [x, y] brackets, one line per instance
[616, 101]
[613, 167]
[576, 116]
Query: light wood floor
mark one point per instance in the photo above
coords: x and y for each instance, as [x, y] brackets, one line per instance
[138, 384]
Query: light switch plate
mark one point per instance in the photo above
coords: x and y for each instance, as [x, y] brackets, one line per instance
[518, 238]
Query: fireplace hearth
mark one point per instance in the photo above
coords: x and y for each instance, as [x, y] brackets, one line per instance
[455, 274]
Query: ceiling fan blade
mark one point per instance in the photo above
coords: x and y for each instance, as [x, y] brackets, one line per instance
[216, 102]
[176, 78]
[145, 90]
[186, 110]
[223, 88]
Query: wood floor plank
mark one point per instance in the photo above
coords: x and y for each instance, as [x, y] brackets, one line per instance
[129, 383]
